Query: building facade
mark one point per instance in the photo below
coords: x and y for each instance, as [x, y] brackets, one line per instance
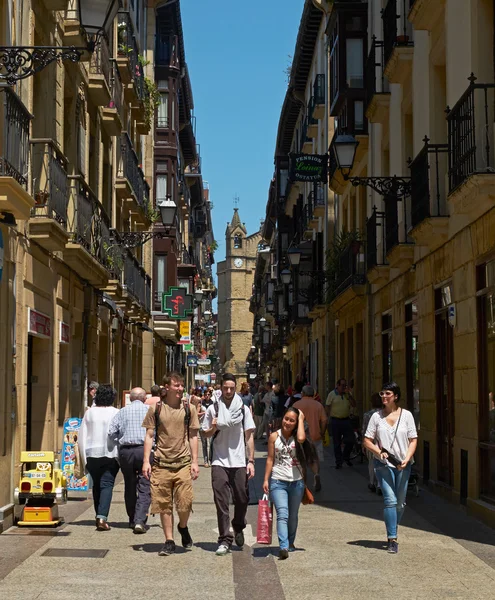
[78, 204]
[235, 282]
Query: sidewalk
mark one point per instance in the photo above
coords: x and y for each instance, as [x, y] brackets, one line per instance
[443, 553]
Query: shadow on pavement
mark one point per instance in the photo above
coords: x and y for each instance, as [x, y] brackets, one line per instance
[206, 546]
[369, 544]
[155, 548]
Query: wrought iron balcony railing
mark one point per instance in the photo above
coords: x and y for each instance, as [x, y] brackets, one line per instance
[127, 46]
[49, 182]
[375, 240]
[14, 152]
[116, 90]
[374, 71]
[136, 281]
[129, 169]
[88, 222]
[428, 194]
[470, 126]
[319, 89]
[100, 60]
[167, 51]
[351, 268]
[397, 30]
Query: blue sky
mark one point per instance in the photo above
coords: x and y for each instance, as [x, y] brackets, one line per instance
[237, 54]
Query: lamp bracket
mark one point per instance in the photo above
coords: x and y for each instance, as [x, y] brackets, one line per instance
[398, 187]
[132, 239]
[20, 62]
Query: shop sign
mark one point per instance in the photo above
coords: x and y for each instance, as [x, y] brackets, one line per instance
[39, 324]
[64, 333]
[177, 303]
[308, 167]
[188, 347]
[209, 333]
[192, 361]
[205, 378]
[185, 332]
[202, 362]
[71, 432]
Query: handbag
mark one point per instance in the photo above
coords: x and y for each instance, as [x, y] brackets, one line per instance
[391, 457]
[265, 521]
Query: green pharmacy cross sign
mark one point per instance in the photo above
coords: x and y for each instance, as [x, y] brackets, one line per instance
[177, 303]
[311, 168]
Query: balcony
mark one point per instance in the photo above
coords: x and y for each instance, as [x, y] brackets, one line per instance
[472, 151]
[50, 189]
[349, 275]
[87, 253]
[319, 96]
[398, 248]
[73, 33]
[127, 48]
[112, 116]
[377, 88]
[14, 156]
[99, 74]
[130, 184]
[397, 41]
[306, 141]
[312, 127]
[377, 268]
[167, 51]
[429, 212]
[137, 285]
[186, 265]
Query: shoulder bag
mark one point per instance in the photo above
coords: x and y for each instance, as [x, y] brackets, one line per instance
[391, 457]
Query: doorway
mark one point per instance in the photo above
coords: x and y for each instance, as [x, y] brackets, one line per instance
[444, 386]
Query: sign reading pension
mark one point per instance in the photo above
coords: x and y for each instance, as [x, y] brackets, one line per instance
[308, 167]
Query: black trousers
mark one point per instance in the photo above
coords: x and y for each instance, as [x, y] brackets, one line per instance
[137, 494]
[228, 483]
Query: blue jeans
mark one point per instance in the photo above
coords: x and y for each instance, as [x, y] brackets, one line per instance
[103, 472]
[394, 488]
[287, 496]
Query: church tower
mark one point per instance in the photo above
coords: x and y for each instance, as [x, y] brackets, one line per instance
[235, 283]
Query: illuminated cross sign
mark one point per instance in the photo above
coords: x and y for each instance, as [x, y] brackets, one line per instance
[177, 303]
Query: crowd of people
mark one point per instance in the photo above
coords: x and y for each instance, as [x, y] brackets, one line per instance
[154, 441]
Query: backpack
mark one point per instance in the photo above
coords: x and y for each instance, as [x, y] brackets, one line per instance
[215, 408]
[187, 416]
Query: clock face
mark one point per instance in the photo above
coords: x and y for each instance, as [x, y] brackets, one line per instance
[238, 262]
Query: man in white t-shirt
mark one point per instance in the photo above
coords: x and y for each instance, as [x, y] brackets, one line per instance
[231, 426]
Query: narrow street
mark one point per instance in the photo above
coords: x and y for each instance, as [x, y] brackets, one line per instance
[341, 554]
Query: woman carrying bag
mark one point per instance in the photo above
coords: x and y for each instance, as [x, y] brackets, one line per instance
[392, 437]
[285, 476]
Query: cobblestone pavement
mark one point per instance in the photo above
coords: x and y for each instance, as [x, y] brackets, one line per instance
[443, 552]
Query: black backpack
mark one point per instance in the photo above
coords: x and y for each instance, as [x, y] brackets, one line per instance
[187, 416]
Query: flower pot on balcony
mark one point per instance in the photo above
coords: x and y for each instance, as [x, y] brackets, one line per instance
[41, 198]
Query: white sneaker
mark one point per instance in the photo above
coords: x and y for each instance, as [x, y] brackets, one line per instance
[222, 550]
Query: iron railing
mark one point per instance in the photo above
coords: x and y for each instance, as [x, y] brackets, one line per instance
[49, 183]
[100, 60]
[428, 183]
[116, 90]
[374, 71]
[375, 240]
[88, 222]
[167, 51]
[470, 127]
[136, 281]
[127, 46]
[319, 89]
[397, 30]
[351, 269]
[129, 169]
[14, 152]
[185, 257]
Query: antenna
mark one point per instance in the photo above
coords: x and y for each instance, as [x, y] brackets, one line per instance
[236, 201]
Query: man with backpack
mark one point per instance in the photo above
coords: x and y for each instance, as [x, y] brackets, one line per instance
[173, 424]
[230, 425]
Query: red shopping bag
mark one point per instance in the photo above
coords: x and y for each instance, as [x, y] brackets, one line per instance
[265, 521]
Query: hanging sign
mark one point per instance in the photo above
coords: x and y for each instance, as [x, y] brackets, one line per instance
[192, 360]
[308, 167]
[185, 332]
[204, 361]
[177, 303]
[39, 324]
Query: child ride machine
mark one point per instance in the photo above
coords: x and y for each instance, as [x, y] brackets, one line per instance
[42, 488]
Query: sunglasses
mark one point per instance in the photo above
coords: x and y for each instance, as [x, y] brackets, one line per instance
[386, 394]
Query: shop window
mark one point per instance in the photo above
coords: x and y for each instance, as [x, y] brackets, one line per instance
[486, 357]
[412, 360]
[387, 348]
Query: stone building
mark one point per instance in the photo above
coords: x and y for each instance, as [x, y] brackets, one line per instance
[235, 283]
[78, 200]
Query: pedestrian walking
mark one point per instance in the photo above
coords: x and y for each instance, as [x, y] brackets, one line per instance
[126, 428]
[278, 400]
[338, 406]
[268, 412]
[92, 389]
[392, 437]
[376, 404]
[317, 422]
[231, 426]
[246, 396]
[174, 423]
[99, 452]
[155, 396]
[203, 407]
[284, 476]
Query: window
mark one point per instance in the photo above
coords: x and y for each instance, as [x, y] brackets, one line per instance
[162, 120]
[161, 274]
[486, 329]
[354, 63]
[173, 115]
[334, 64]
[387, 348]
[161, 187]
[412, 360]
[359, 115]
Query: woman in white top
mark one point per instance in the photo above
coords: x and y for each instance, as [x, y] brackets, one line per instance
[394, 431]
[99, 452]
[285, 467]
